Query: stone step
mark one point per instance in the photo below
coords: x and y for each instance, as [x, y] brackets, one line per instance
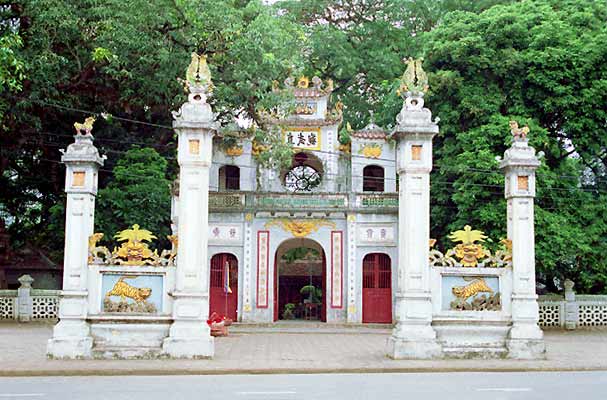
[311, 327]
[119, 352]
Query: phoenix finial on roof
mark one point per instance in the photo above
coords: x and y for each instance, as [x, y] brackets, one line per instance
[519, 134]
[414, 78]
[198, 72]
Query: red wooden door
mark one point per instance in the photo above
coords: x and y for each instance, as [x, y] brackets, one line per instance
[221, 301]
[377, 288]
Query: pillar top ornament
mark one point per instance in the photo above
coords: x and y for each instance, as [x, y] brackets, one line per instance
[196, 112]
[414, 118]
[520, 156]
[83, 151]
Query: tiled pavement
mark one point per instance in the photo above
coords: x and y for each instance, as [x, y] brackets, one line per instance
[22, 352]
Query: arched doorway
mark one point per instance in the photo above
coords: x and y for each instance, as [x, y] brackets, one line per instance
[300, 281]
[223, 290]
[377, 288]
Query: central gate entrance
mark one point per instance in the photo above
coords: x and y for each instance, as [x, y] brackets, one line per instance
[300, 281]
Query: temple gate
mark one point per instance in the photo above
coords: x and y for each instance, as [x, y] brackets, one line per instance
[351, 247]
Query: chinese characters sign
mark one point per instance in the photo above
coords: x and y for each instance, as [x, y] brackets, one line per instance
[263, 245]
[336, 268]
[302, 138]
[224, 233]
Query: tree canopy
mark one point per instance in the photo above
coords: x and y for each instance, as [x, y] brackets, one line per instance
[541, 62]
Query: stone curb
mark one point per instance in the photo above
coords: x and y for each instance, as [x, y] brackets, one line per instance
[281, 371]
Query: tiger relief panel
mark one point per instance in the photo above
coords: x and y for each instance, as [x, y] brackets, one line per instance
[471, 293]
[131, 293]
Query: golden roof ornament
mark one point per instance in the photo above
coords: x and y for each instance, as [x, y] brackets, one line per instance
[518, 134]
[303, 82]
[414, 79]
[84, 128]
[198, 74]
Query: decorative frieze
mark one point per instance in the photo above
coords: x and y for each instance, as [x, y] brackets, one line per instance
[221, 200]
[288, 201]
[300, 227]
[382, 200]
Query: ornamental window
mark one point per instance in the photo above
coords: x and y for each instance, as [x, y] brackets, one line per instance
[229, 178]
[373, 178]
[305, 173]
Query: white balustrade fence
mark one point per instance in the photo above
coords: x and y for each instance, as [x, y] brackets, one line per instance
[571, 310]
[8, 304]
[26, 304]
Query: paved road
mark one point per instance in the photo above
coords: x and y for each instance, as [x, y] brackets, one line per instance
[428, 386]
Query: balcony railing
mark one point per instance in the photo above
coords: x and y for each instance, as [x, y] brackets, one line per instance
[363, 202]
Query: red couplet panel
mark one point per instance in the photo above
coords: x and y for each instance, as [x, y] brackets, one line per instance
[224, 285]
[377, 288]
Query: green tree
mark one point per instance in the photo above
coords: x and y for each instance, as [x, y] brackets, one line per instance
[122, 60]
[360, 45]
[139, 193]
[541, 63]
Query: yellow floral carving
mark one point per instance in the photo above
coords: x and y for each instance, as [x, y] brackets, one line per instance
[303, 82]
[371, 150]
[234, 151]
[300, 228]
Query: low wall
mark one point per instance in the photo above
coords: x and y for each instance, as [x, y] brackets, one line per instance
[583, 311]
[567, 311]
[27, 304]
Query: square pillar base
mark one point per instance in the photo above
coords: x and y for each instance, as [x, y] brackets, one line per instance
[419, 349]
[189, 339]
[413, 342]
[71, 340]
[526, 349]
[526, 342]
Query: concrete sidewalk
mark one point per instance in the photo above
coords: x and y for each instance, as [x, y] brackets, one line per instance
[23, 346]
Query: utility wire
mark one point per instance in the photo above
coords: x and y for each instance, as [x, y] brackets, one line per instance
[338, 154]
[377, 179]
[432, 182]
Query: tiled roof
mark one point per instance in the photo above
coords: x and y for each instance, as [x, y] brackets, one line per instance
[371, 131]
[296, 121]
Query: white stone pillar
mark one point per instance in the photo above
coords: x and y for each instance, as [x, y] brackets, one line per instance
[189, 335]
[519, 164]
[413, 335]
[24, 298]
[572, 308]
[71, 336]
